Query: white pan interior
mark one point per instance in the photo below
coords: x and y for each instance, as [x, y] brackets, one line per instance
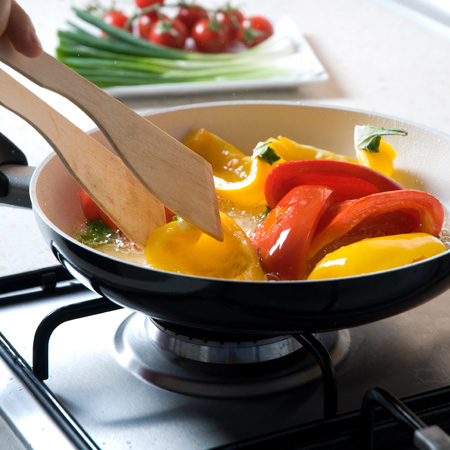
[423, 157]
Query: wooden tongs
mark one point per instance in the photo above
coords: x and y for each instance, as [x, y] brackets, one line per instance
[153, 170]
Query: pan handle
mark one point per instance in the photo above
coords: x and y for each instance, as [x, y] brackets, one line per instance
[15, 175]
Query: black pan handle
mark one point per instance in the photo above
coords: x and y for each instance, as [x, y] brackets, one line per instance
[15, 175]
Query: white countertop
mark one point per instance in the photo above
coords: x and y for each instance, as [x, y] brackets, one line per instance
[380, 56]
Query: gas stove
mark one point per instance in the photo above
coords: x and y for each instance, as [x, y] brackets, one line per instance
[82, 372]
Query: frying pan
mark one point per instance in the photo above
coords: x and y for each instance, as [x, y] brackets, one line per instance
[266, 308]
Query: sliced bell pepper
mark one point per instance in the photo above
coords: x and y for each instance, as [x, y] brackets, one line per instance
[90, 209]
[372, 151]
[348, 180]
[183, 248]
[282, 239]
[381, 161]
[381, 214]
[376, 254]
[290, 150]
[228, 163]
[248, 192]
[92, 212]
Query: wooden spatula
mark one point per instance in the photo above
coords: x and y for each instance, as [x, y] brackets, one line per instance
[101, 173]
[175, 175]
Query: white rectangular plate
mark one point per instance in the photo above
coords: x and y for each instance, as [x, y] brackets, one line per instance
[308, 70]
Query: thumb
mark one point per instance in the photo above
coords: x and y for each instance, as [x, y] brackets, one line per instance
[21, 32]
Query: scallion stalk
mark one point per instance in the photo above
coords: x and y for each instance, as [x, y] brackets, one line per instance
[123, 59]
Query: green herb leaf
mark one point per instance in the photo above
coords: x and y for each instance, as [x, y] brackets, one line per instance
[368, 137]
[97, 234]
[266, 152]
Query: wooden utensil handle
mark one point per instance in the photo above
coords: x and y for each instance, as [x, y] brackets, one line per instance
[51, 74]
[18, 99]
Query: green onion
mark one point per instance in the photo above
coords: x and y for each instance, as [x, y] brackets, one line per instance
[126, 60]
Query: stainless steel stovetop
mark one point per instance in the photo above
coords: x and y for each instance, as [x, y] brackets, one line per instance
[90, 378]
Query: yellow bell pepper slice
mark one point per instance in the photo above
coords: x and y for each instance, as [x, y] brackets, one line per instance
[248, 192]
[372, 151]
[382, 161]
[376, 254]
[228, 163]
[183, 248]
[293, 151]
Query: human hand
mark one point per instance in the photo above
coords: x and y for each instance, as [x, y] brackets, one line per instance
[17, 26]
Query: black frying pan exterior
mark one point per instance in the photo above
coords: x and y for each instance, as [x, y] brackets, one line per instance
[268, 308]
[253, 307]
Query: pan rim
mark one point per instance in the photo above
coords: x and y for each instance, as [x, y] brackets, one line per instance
[151, 111]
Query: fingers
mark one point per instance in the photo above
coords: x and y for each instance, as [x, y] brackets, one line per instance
[5, 9]
[21, 32]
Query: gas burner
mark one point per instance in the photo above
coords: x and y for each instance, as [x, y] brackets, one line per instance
[222, 349]
[219, 369]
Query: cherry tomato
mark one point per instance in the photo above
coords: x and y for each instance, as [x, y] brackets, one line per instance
[146, 3]
[230, 19]
[146, 22]
[116, 18]
[171, 33]
[153, 15]
[209, 36]
[191, 14]
[254, 30]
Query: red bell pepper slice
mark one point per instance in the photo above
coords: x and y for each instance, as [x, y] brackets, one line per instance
[92, 212]
[348, 180]
[381, 214]
[282, 239]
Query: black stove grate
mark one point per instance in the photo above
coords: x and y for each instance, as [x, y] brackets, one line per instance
[369, 429]
[372, 428]
[320, 353]
[46, 279]
[58, 317]
[103, 305]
